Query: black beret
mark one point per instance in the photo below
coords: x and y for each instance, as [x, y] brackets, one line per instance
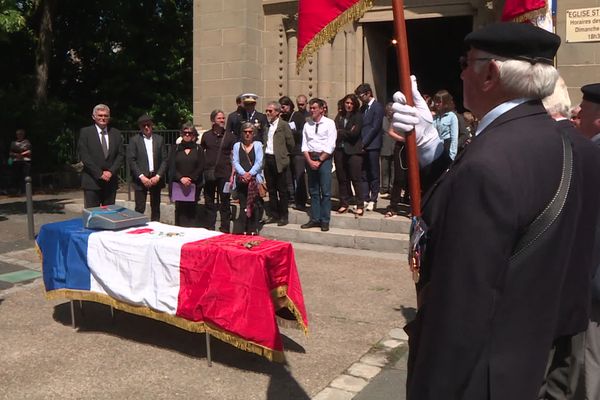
[144, 118]
[518, 41]
[591, 92]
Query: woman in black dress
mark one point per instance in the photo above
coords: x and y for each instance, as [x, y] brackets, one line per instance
[187, 163]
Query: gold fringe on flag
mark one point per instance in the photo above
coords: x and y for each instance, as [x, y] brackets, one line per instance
[531, 15]
[331, 29]
[191, 326]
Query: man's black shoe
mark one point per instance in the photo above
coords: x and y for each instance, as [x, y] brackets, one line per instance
[324, 226]
[270, 220]
[310, 224]
[282, 222]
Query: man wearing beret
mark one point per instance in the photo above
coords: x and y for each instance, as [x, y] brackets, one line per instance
[147, 158]
[496, 293]
[586, 348]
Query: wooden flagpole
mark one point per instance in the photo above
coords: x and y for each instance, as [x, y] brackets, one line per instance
[414, 183]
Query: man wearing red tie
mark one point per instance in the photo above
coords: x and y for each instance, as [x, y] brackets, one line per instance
[101, 152]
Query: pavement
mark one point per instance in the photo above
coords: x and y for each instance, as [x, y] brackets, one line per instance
[357, 300]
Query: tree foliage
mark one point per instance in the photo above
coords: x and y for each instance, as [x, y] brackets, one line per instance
[135, 56]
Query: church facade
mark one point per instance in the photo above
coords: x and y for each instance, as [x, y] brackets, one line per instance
[250, 46]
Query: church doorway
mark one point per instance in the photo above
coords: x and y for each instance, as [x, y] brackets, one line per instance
[435, 44]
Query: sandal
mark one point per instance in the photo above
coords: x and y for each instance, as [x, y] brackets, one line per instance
[342, 209]
[359, 212]
[390, 214]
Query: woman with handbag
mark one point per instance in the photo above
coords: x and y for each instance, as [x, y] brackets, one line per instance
[186, 165]
[247, 179]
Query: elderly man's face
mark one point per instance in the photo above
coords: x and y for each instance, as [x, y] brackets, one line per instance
[101, 118]
[589, 118]
[301, 103]
[472, 80]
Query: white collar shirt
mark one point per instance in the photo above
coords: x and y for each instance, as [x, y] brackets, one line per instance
[498, 111]
[319, 136]
[99, 131]
[149, 151]
[272, 128]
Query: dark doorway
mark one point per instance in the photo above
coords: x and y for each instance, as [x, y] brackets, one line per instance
[435, 44]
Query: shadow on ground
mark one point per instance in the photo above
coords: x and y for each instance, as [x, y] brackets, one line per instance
[94, 317]
[53, 206]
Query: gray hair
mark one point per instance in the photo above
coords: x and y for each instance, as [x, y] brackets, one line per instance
[247, 125]
[99, 107]
[275, 105]
[521, 78]
[559, 102]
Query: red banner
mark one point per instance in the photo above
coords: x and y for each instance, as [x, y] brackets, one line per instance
[319, 21]
[523, 10]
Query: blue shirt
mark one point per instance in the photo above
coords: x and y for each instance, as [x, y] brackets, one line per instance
[447, 127]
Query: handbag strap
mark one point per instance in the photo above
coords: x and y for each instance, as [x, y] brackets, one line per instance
[547, 217]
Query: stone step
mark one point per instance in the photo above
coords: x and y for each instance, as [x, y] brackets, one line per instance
[340, 237]
[372, 231]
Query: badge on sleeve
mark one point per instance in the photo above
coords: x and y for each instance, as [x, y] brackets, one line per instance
[416, 246]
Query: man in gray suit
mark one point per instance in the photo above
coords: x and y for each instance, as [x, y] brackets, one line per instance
[101, 152]
[147, 158]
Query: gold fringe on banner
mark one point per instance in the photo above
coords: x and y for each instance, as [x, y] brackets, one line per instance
[191, 326]
[281, 299]
[331, 29]
[531, 15]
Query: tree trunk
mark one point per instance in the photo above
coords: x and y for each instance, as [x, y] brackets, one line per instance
[43, 51]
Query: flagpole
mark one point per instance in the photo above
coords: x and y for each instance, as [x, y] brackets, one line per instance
[414, 183]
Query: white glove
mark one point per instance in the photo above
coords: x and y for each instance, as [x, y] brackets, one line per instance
[406, 118]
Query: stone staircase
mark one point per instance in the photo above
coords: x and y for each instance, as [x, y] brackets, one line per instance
[370, 232]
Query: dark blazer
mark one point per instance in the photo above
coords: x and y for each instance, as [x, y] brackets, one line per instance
[348, 135]
[283, 144]
[137, 158]
[94, 162]
[483, 329]
[234, 122]
[371, 126]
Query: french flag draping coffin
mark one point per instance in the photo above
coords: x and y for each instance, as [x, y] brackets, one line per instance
[196, 279]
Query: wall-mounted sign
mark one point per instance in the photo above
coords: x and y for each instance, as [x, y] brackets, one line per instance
[583, 25]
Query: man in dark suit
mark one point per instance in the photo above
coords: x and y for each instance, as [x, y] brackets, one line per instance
[147, 158]
[278, 145]
[234, 119]
[101, 152]
[371, 137]
[491, 305]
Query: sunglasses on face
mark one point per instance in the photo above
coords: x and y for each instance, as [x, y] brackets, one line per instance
[188, 133]
[463, 61]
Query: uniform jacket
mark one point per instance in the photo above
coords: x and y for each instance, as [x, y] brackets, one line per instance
[372, 119]
[484, 330]
[137, 157]
[348, 134]
[259, 120]
[94, 162]
[283, 144]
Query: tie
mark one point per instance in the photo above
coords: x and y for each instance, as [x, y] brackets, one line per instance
[316, 127]
[104, 143]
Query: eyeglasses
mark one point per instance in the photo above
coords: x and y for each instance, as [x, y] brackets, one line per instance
[249, 131]
[188, 133]
[269, 110]
[463, 61]
[145, 124]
